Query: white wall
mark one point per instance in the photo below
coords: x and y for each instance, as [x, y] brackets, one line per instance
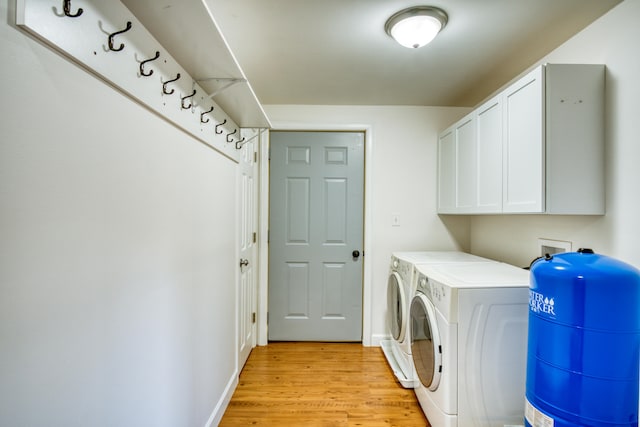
[404, 145]
[611, 40]
[117, 260]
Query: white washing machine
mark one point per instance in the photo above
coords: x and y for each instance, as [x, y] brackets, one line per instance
[400, 291]
[469, 343]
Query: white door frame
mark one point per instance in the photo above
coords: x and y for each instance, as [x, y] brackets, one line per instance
[263, 247]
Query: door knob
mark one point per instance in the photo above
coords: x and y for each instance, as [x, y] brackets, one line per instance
[244, 262]
[355, 254]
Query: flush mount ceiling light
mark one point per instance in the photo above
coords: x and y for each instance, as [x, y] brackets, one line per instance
[416, 26]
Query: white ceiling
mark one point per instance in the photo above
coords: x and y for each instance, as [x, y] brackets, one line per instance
[335, 52]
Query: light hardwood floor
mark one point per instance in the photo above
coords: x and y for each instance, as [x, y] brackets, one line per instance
[321, 384]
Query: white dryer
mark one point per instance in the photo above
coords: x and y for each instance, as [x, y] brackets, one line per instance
[400, 291]
[469, 343]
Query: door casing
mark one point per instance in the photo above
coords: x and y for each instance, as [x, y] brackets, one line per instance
[367, 292]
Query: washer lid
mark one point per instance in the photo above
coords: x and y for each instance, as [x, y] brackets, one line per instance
[426, 257]
[476, 275]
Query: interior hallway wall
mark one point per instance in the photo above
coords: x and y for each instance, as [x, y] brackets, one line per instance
[117, 253]
[403, 169]
[611, 41]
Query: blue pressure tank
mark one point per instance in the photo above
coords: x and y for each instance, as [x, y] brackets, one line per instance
[583, 351]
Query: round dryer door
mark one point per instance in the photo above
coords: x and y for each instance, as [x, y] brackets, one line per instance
[396, 307]
[425, 342]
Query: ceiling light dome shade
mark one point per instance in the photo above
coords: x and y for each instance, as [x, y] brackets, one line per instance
[416, 26]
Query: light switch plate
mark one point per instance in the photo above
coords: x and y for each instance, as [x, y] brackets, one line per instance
[395, 219]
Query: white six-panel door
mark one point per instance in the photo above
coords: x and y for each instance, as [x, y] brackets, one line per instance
[247, 263]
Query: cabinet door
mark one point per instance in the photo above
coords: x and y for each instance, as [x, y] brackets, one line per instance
[466, 159]
[446, 171]
[489, 152]
[575, 115]
[523, 169]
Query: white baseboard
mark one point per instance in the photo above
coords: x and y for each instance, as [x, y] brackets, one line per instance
[377, 339]
[223, 402]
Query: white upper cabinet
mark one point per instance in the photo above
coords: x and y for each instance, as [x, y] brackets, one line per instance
[523, 182]
[489, 155]
[537, 147]
[575, 135]
[466, 164]
[447, 172]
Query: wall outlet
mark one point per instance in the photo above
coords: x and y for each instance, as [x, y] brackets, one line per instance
[550, 246]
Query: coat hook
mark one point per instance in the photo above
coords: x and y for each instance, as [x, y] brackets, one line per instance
[66, 6]
[164, 85]
[148, 60]
[202, 120]
[111, 36]
[239, 143]
[231, 133]
[218, 125]
[186, 107]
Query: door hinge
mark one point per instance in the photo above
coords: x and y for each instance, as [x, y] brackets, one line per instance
[255, 157]
[253, 317]
[255, 237]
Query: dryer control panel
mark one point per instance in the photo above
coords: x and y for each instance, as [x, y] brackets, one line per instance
[442, 299]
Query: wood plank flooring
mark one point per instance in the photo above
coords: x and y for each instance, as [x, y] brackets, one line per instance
[320, 384]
